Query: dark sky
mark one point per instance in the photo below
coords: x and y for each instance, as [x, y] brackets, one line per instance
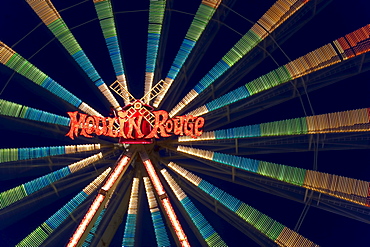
[21, 29]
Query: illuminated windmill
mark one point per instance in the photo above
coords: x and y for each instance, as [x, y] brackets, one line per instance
[136, 108]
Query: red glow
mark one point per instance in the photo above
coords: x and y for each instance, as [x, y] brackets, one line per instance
[86, 220]
[154, 177]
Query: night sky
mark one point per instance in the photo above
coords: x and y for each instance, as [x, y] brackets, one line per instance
[21, 29]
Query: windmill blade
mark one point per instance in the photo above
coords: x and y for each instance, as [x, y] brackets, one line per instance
[121, 90]
[52, 19]
[148, 115]
[138, 107]
[353, 190]
[154, 91]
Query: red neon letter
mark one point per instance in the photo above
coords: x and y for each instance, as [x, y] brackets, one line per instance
[122, 119]
[159, 124]
[137, 126]
[178, 125]
[169, 126]
[199, 123]
[90, 125]
[189, 126]
[111, 132]
[76, 124]
[100, 130]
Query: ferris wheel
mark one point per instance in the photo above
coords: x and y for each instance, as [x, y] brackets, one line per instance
[188, 123]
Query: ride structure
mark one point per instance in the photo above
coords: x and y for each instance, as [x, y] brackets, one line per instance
[233, 133]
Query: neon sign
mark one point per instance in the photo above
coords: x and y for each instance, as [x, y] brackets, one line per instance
[134, 125]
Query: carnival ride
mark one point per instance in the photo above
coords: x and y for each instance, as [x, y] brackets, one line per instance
[274, 149]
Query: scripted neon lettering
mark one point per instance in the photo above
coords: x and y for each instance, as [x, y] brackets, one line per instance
[131, 127]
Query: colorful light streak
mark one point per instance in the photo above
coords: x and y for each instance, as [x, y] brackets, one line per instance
[154, 177]
[272, 229]
[130, 226]
[209, 235]
[96, 205]
[116, 173]
[159, 227]
[165, 201]
[86, 220]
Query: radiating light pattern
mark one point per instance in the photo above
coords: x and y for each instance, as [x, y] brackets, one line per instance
[52, 19]
[130, 226]
[41, 233]
[11, 109]
[166, 202]
[349, 189]
[159, 227]
[201, 19]
[318, 59]
[13, 154]
[105, 14]
[272, 229]
[209, 235]
[16, 62]
[271, 20]
[99, 200]
[345, 121]
[156, 15]
[17, 193]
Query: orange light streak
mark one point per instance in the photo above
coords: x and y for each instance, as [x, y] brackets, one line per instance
[175, 223]
[166, 203]
[116, 173]
[154, 177]
[97, 202]
[86, 220]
